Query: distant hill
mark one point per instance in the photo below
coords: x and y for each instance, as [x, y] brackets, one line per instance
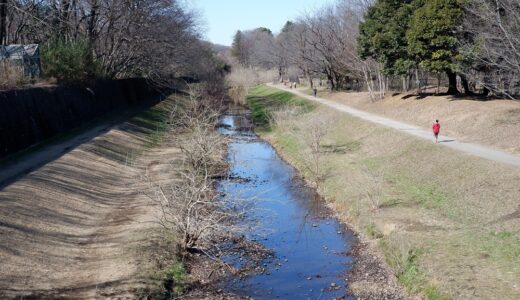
[220, 49]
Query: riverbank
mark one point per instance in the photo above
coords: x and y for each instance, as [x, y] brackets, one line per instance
[446, 223]
[81, 226]
[489, 122]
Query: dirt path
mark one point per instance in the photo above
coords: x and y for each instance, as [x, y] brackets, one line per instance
[451, 142]
[78, 225]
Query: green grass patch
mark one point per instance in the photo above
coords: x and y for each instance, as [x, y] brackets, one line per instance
[404, 258]
[262, 100]
[372, 231]
[432, 293]
[288, 143]
[174, 281]
[409, 191]
[502, 245]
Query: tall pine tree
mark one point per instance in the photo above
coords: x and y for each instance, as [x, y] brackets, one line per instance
[237, 44]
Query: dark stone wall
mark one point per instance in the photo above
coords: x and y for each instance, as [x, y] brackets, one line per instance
[29, 116]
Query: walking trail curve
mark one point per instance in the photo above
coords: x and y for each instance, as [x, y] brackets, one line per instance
[473, 149]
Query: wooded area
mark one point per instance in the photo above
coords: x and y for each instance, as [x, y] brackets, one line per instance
[157, 39]
[381, 44]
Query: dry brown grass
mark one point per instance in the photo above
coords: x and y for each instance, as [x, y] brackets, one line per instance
[76, 227]
[458, 215]
[494, 122]
[11, 75]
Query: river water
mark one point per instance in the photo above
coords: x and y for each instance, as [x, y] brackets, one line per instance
[310, 247]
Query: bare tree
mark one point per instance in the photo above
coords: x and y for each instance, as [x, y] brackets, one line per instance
[152, 38]
[493, 46]
[373, 186]
[315, 131]
[190, 207]
[312, 135]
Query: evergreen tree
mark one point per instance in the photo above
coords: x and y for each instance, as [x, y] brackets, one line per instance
[288, 26]
[432, 37]
[264, 29]
[236, 47]
[383, 35]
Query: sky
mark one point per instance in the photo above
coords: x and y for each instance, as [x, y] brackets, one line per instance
[222, 18]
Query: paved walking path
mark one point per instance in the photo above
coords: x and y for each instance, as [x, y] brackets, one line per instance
[473, 149]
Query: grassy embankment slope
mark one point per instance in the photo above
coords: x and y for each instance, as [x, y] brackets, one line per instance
[491, 122]
[81, 227]
[447, 223]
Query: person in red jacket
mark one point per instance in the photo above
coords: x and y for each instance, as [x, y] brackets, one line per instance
[436, 129]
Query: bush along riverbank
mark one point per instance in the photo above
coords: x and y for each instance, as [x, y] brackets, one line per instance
[443, 222]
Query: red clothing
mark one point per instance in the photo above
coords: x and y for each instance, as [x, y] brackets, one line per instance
[436, 128]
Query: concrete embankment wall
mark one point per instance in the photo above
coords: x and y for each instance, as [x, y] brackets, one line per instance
[30, 116]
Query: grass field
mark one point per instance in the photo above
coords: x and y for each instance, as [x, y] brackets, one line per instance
[260, 105]
[447, 223]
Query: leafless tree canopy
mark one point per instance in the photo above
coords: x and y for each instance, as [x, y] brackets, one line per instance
[324, 44]
[494, 44]
[128, 37]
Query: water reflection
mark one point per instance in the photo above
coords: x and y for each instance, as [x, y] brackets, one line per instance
[309, 247]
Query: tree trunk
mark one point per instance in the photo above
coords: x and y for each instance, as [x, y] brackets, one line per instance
[92, 35]
[92, 22]
[309, 78]
[382, 84]
[418, 82]
[3, 21]
[465, 84]
[332, 84]
[64, 18]
[369, 82]
[452, 87]
[438, 83]
[338, 81]
[330, 78]
[485, 89]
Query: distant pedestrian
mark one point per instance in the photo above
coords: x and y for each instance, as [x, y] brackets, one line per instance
[436, 129]
[315, 91]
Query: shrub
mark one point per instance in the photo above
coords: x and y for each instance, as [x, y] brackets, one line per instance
[69, 60]
[174, 280]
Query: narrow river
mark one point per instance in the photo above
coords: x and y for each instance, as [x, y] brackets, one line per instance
[310, 246]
